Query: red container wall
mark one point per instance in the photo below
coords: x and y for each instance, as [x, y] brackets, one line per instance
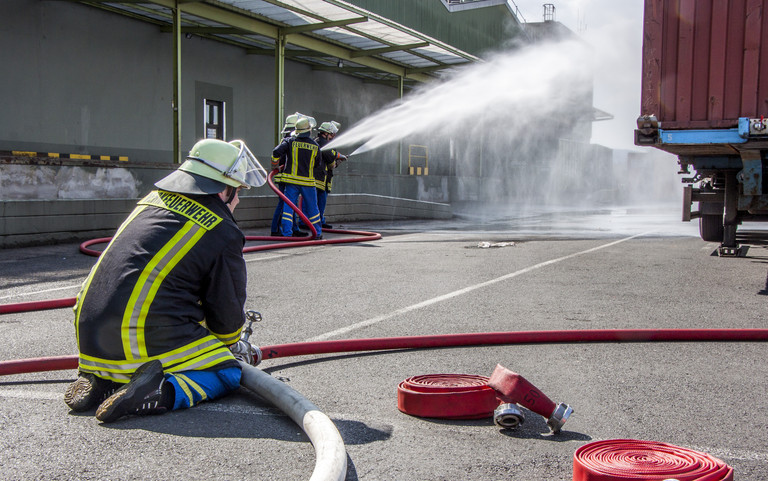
[703, 65]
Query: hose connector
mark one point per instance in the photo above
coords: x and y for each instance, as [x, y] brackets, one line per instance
[559, 417]
[508, 416]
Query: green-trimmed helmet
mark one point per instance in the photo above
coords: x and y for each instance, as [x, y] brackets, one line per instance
[290, 123]
[304, 124]
[212, 165]
[329, 127]
[231, 163]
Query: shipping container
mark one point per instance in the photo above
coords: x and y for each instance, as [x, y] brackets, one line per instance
[705, 98]
[703, 62]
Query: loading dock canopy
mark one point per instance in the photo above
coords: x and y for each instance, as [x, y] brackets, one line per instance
[328, 34]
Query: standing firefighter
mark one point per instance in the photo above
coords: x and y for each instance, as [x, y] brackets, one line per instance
[324, 170]
[301, 154]
[161, 313]
[279, 163]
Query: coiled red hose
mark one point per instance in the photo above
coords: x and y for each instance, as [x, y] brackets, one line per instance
[451, 340]
[630, 459]
[447, 396]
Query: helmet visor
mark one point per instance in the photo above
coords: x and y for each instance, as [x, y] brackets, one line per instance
[246, 169]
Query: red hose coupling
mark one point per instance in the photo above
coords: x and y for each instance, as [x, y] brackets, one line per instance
[515, 389]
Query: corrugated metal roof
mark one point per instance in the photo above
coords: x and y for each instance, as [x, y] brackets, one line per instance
[317, 32]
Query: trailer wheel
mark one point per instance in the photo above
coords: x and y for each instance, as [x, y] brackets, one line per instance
[711, 228]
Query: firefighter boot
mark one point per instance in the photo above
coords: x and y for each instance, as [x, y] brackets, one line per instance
[147, 393]
[88, 391]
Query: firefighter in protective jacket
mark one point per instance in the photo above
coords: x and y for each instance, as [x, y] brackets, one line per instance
[324, 169]
[160, 314]
[301, 154]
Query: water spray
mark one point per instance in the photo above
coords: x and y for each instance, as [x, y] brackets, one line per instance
[509, 91]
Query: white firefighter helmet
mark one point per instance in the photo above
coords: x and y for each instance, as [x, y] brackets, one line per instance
[329, 127]
[290, 123]
[304, 124]
[212, 165]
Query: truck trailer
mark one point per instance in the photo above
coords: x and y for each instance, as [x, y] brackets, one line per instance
[705, 99]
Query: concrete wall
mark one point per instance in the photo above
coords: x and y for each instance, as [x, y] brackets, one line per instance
[77, 79]
[36, 222]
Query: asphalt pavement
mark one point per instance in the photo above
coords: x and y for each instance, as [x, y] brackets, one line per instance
[598, 269]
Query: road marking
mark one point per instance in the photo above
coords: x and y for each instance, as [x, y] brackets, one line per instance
[266, 258]
[77, 286]
[223, 407]
[451, 295]
[32, 395]
[40, 291]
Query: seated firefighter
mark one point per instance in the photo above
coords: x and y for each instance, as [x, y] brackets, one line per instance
[159, 317]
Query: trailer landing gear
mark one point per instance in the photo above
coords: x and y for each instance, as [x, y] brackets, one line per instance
[736, 251]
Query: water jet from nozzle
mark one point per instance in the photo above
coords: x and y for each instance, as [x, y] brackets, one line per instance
[504, 93]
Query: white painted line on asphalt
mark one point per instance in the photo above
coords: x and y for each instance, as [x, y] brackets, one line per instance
[32, 395]
[238, 409]
[77, 286]
[451, 295]
[266, 258]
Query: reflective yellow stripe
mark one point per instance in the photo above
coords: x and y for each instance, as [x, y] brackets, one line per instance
[182, 205]
[201, 354]
[135, 315]
[183, 380]
[298, 180]
[191, 384]
[87, 282]
[204, 362]
[229, 338]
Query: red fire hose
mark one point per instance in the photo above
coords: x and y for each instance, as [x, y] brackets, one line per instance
[630, 459]
[447, 396]
[451, 340]
[515, 337]
[283, 242]
[36, 305]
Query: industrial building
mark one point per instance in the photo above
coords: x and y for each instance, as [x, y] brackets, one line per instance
[102, 98]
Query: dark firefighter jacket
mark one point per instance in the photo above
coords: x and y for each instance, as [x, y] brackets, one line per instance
[324, 168]
[279, 162]
[301, 153]
[169, 286]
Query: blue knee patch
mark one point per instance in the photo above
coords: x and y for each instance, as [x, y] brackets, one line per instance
[193, 387]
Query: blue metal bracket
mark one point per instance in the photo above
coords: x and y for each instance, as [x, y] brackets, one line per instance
[702, 137]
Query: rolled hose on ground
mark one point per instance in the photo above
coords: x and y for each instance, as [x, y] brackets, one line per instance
[20, 366]
[330, 461]
[631, 459]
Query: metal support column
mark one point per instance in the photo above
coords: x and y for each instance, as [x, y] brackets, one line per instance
[400, 83]
[177, 82]
[279, 85]
[730, 220]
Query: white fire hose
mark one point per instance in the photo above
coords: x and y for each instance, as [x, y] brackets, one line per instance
[330, 453]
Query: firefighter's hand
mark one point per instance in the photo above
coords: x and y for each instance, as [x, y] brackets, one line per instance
[244, 351]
